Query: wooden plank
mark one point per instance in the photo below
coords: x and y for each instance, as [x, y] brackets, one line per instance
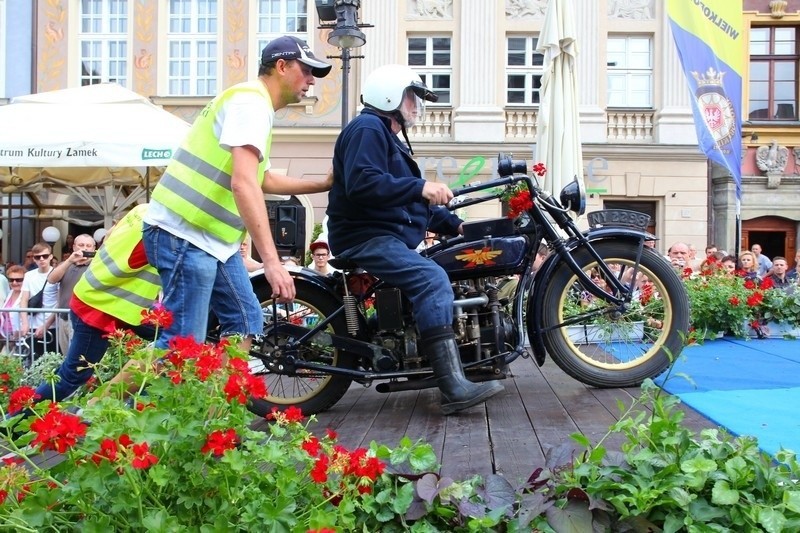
[551, 422]
[515, 447]
[353, 425]
[391, 424]
[467, 448]
[427, 422]
[591, 418]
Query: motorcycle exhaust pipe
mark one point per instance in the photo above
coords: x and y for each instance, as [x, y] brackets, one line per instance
[430, 383]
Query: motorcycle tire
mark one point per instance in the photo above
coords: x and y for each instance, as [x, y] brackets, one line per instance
[615, 347]
[311, 391]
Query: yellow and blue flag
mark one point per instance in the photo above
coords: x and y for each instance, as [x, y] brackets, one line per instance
[710, 42]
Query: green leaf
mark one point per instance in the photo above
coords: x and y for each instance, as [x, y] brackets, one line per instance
[723, 494]
[403, 498]
[772, 520]
[791, 498]
[423, 458]
[698, 464]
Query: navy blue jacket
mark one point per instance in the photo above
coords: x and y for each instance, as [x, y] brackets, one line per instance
[377, 189]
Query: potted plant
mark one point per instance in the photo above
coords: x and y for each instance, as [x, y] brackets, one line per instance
[720, 303]
[778, 313]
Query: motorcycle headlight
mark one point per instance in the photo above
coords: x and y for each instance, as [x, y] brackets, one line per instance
[573, 196]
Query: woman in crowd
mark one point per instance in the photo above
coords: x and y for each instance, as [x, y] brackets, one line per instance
[748, 265]
[9, 321]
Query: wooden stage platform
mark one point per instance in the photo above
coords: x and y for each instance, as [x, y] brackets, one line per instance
[540, 408]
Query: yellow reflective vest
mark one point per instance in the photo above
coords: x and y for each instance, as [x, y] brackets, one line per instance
[196, 185]
[109, 284]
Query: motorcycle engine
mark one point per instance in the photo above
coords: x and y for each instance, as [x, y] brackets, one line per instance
[478, 318]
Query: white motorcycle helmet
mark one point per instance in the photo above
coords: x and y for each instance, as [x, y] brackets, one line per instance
[385, 87]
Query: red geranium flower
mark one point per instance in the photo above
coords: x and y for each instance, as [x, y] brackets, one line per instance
[142, 456]
[766, 283]
[519, 203]
[218, 442]
[539, 169]
[734, 300]
[57, 430]
[158, 316]
[755, 299]
[319, 474]
[21, 398]
[108, 451]
[749, 284]
[311, 446]
[240, 386]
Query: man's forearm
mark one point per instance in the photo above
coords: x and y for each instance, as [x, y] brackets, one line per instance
[280, 184]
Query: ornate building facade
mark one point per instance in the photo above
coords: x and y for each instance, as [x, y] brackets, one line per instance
[639, 145]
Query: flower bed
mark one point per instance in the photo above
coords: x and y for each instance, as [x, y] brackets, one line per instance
[178, 455]
[722, 303]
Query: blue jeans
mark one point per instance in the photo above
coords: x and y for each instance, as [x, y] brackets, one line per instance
[423, 281]
[192, 281]
[88, 345]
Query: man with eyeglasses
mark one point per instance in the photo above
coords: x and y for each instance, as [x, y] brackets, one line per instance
[44, 340]
[321, 254]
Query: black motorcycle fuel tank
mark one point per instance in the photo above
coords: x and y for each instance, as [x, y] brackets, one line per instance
[488, 256]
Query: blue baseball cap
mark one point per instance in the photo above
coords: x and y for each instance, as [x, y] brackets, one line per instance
[288, 47]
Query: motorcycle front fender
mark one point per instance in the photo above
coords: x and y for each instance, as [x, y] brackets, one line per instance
[536, 297]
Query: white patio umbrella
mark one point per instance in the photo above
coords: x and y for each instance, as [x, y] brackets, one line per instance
[558, 143]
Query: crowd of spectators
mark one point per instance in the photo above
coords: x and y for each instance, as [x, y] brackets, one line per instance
[40, 281]
[749, 264]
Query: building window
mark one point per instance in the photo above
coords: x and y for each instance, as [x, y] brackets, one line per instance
[431, 58]
[281, 17]
[630, 72]
[103, 41]
[523, 71]
[773, 73]
[192, 47]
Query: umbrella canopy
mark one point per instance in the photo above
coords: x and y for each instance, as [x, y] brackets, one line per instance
[558, 143]
[84, 146]
[101, 125]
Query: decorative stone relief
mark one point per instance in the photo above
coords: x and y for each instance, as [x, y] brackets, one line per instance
[520, 9]
[431, 9]
[630, 9]
[771, 159]
[796, 151]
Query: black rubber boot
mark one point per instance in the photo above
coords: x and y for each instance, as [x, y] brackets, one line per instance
[457, 391]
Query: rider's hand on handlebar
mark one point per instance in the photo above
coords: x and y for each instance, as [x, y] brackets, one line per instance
[436, 193]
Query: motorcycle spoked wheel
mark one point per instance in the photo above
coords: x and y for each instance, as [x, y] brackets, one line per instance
[620, 347]
[311, 391]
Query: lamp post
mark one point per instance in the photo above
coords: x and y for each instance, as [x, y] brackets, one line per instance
[346, 35]
[51, 235]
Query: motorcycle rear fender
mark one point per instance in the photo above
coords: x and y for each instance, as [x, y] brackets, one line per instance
[299, 273]
[305, 275]
[534, 310]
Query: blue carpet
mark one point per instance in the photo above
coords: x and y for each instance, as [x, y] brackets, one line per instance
[750, 387]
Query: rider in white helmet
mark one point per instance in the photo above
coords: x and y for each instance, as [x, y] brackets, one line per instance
[379, 209]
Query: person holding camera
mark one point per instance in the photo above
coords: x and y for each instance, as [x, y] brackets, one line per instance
[61, 283]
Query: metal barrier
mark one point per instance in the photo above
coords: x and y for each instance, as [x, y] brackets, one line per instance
[23, 346]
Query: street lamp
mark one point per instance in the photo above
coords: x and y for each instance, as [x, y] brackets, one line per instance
[346, 34]
[51, 235]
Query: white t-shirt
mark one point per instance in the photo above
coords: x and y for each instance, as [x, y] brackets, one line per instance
[33, 282]
[244, 119]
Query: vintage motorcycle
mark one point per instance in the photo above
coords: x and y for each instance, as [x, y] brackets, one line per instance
[608, 309]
